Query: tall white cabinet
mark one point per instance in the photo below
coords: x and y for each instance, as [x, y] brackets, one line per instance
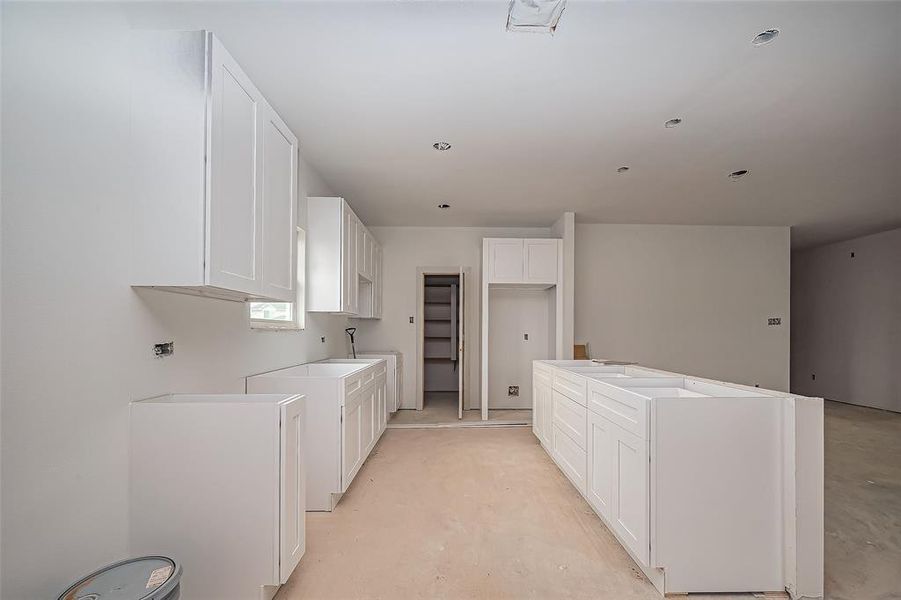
[214, 174]
[344, 261]
[522, 271]
[219, 482]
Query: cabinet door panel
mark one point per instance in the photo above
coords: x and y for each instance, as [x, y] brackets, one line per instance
[234, 202]
[349, 263]
[368, 417]
[600, 464]
[292, 489]
[630, 485]
[351, 448]
[279, 162]
[547, 414]
[570, 458]
[540, 261]
[505, 261]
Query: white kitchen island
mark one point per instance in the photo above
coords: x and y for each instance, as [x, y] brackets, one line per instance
[709, 486]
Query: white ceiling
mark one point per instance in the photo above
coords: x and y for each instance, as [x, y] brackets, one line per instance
[539, 124]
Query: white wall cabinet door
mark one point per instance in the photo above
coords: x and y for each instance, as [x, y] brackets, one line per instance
[630, 486]
[377, 281]
[600, 464]
[235, 201]
[279, 192]
[292, 490]
[540, 261]
[505, 261]
[349, 263]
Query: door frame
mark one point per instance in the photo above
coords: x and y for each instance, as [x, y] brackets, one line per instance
[421, 272]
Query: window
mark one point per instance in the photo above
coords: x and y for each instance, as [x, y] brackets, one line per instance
[284, 315]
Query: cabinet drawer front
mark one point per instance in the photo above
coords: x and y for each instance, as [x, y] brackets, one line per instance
[622, 408]
[542, 375]
[570, 385]
[570, 418]
[570, 458]
[352, 384]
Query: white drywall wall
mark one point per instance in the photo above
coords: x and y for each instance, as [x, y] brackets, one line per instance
[847, 321]
[405, 249]
[514, 313]
[691, 299]
[565, 229]
[81, 335]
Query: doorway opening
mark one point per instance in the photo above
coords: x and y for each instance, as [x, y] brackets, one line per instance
[442, 361]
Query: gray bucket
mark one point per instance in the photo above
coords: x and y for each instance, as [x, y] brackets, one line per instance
[145, 578]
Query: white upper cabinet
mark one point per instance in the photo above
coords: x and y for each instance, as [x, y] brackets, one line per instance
[279, 171]
[505, 261]
[214, 174]
[523, 261]
[540, 261]
[341, 257]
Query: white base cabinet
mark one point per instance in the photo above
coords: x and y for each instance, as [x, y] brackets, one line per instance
[347, 412]
[213, 177]
[218, 482]
[709, 486]
[395, 375]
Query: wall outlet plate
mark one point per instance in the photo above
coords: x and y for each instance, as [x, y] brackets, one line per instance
[513, 390]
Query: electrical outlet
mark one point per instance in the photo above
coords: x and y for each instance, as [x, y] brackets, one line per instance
[322, 339]
[164, 349]
[813, 376]
[525, 336]
[411, 319]
[513, 390]
[774, 321]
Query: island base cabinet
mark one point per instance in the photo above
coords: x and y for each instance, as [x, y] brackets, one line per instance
[617, 486]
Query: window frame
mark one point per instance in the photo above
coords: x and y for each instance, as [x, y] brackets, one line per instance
[298, 307]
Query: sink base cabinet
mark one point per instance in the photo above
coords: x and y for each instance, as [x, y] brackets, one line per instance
[218, 481]
[346, 416]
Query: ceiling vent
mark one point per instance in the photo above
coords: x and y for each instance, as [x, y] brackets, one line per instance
[537, 16]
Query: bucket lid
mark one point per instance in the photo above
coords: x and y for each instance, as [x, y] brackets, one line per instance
[145, 578]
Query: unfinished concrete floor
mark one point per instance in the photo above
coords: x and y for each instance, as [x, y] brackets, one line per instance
[440, 409]
[484, 513]
[862, 503]
[463, 513]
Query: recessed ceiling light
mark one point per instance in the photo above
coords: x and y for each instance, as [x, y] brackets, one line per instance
[622, 169]
[539, 16]
[444, 206]
[738, 174]
[441, 146]
[765, 37]
[673, 123]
